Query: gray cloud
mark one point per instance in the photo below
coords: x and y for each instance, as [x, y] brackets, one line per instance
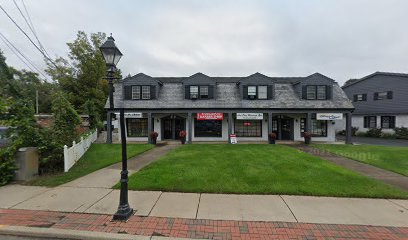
[341, 39]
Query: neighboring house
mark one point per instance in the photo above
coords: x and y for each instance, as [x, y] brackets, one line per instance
[212, 108]
[380, 100]
[46, 120]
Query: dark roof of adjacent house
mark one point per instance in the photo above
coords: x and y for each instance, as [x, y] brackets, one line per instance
[354, 81]
[227, 95]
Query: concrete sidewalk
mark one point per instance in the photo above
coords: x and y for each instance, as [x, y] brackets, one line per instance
[305, 209]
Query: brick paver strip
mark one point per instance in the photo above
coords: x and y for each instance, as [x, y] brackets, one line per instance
[196, 228]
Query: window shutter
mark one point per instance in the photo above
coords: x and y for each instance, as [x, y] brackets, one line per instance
[365, 122]
[365, 97]
[270, 91]
[245, 92]
[355, 98]
[128, 93]
[187, 92]
[210, 91]
[392, 121]
[304, 92]
[329, 91]
[389, 95]
[376, 96]
[152, 92]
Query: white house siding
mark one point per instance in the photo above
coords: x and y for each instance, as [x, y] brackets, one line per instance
[401, 120]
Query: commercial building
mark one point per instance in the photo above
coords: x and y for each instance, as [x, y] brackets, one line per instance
[213, 108]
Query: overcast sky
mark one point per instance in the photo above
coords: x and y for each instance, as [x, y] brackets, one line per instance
[340, 39]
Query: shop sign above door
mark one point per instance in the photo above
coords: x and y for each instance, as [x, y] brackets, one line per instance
[250, 116]
[210, 116]
[329, 116]
[132, 115]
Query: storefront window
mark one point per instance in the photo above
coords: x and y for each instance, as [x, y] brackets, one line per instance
[136, 127]
[207, 128]
[248, 128]
[319, 127]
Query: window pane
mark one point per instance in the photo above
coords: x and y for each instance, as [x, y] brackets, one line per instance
[321, 92]
[248, 128]
[311, 92]
[359, 97]
[193, 91]
[319, 128]
[372, 122]
[135, 92]
[203, 91]
[207, 128]
[136, 127]
[251, 90]
[262, 92]
[145, 92]
[382, 95]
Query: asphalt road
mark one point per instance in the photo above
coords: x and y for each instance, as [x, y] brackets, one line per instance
[378, 141]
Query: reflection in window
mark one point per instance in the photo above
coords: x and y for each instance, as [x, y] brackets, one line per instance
[207, 128]
[248, 128]
[136, 127]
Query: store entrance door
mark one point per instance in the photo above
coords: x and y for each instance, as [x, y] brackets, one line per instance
[171, 127]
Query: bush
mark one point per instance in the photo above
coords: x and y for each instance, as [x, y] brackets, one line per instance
[401, 132]
[388, 135]
[7, 164]
[374, 132]
[360, 134]
[354, 131]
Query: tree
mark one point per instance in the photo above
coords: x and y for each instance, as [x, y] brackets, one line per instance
[81, 76]
[66, 120]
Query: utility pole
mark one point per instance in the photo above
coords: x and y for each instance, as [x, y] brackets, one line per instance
[36, 101]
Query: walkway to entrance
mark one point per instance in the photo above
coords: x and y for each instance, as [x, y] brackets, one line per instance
[388, 177]
[109, 176]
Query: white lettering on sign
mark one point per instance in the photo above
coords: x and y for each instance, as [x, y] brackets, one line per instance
[250, 116]
[329, 116]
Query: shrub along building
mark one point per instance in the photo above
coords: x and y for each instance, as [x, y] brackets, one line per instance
[213, 108]
[381, 101]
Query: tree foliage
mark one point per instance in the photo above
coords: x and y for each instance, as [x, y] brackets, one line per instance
[66, 120]
[81, 76]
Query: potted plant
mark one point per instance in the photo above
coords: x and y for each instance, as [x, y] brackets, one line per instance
[154, 136]
[182, 136]
[307, 136]
[272, 138]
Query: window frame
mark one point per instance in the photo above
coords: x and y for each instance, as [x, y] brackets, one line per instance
[201, 95]
[313, 131]
[258, 92]
[139, 92]
[144, 132]
[313, 89]
[218, 134]
[251, 94]
[143, 88]
[391, 122]
[246, 132]
[367, 123]
[197, 93]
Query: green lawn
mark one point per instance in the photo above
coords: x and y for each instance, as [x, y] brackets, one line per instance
[254, 169]
[391, 158]
[98, 156]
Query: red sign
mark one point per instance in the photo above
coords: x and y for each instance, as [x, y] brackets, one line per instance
[247, 124]
[210, 116]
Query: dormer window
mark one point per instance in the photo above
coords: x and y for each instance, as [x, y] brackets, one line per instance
[251, 92]
[199, 92]
[316, 92]
[135, 92]
[193, 92]
[138, 92]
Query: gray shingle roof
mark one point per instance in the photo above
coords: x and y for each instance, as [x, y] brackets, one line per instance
[353, 81]
[227, 95]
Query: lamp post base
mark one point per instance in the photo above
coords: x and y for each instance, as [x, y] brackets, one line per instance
[123, 213]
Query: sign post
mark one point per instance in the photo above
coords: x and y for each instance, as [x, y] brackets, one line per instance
[233, 139]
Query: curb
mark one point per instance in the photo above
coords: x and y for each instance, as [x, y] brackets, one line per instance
[54, 233]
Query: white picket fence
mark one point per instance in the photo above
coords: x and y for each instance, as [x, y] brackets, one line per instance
[74, 153]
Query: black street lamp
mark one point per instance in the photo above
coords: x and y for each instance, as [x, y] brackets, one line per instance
[112, 55]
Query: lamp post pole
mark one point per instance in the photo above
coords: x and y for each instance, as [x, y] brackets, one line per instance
[109, 120]
[111, 54]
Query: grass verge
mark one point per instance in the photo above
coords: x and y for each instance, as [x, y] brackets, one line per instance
[255, 169]
[98, 156]
[394, 159]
